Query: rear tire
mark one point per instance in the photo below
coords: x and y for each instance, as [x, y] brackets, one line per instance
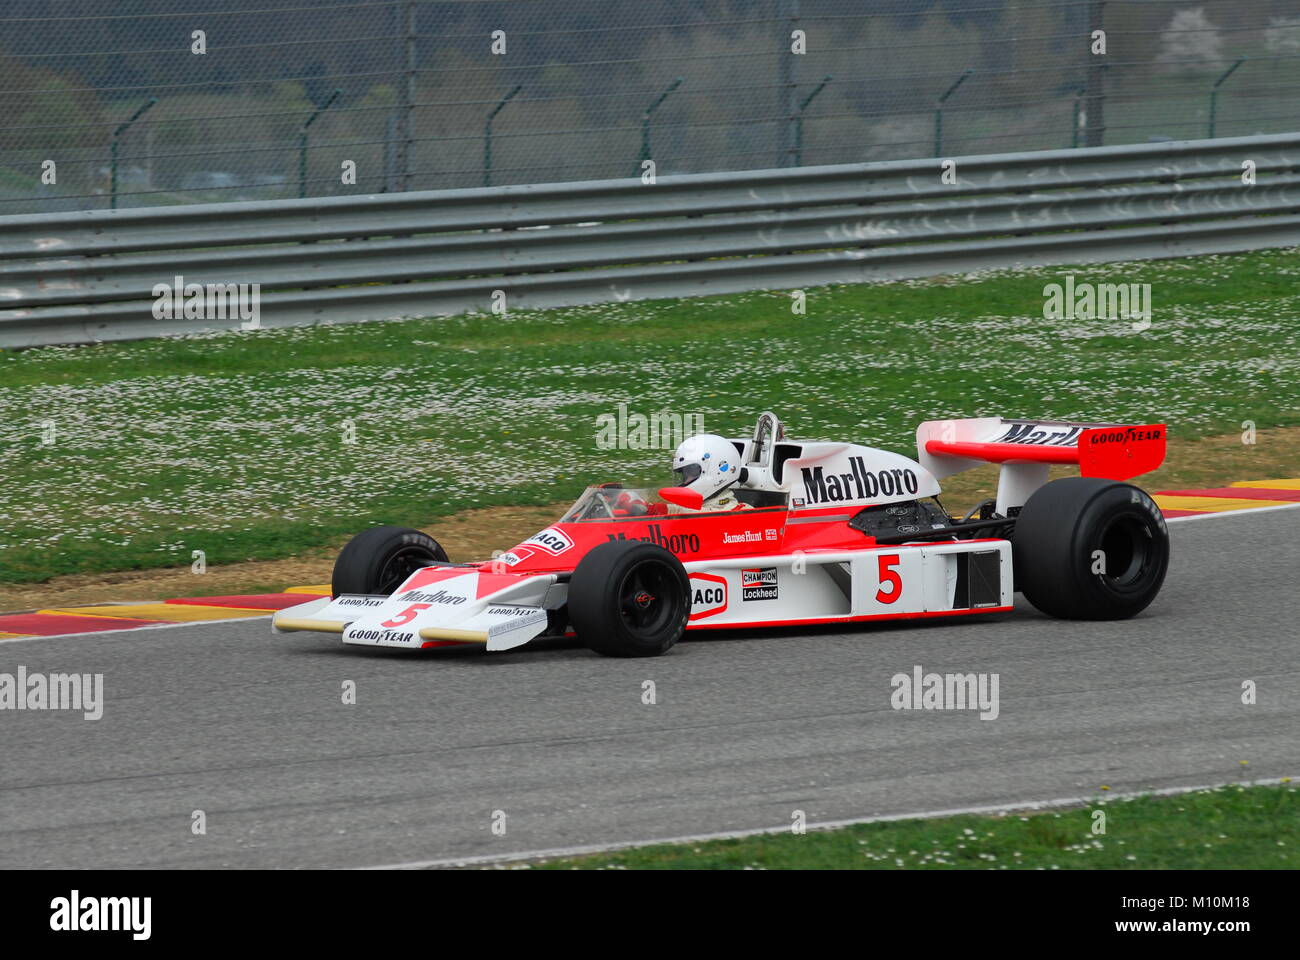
[629, 599]
[379, 560]
[1085, 548]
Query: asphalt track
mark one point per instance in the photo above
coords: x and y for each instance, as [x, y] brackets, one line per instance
[250, 727]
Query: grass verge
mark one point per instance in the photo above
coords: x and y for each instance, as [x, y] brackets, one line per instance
[1233, 827]
[262, 445]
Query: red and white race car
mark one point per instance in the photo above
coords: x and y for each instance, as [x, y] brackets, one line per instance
[832, 533]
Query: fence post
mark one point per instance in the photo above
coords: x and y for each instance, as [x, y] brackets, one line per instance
[1079, 91]
[786, 92]
[302, 143]
[112, 164]
[1095, 117]
[487, 135]
[406, 106]
[938, 111]
[1214, 94]
[645, 124]
[798, 127]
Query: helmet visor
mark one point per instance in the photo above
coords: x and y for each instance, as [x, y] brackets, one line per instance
[687, 474]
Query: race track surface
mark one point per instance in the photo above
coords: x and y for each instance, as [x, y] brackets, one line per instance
[250, 727]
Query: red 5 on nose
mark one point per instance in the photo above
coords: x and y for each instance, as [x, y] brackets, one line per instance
[406, 616]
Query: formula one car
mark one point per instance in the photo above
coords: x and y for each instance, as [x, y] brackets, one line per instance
[830, 533]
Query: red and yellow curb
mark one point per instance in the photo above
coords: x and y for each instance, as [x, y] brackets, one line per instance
[1242, 495]
[58, 621]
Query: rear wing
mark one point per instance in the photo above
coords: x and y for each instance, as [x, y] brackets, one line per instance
[1027, 448]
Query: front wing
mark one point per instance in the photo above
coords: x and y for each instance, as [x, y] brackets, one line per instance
[437, 606]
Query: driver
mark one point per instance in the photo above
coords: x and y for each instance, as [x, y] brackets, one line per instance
[707, 463]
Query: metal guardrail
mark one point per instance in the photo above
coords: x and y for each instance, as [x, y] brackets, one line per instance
[88, 276]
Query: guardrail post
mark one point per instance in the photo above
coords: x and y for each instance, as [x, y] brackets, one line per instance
[938, 111]
[798, 120]
[487, 135]
[112, 164]
[645, 124]
[1214, 94]
[302, 143]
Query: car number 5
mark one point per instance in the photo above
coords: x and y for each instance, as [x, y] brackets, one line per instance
[407, 615]
[889, 577]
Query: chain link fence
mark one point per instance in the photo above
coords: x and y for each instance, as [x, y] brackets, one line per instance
[146, 102]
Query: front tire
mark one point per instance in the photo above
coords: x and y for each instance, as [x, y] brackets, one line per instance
[1085, 548]
[629, 599]
[380, 560]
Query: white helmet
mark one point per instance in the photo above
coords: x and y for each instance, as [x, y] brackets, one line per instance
[706, 463]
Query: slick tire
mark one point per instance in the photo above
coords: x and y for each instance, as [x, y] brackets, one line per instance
[629, 599]
[379, 560]
[1085, 548]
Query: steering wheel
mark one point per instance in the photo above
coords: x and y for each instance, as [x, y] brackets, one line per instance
[600, 500]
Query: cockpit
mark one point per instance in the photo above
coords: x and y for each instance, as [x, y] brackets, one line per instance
[613, 501]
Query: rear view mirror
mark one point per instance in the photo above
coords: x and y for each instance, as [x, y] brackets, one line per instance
[683, 497]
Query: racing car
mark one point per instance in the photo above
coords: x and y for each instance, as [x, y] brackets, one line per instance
[825, 533]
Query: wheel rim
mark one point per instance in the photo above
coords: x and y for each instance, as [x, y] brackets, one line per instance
[400, 565]
[1128, 550]
[646, 599]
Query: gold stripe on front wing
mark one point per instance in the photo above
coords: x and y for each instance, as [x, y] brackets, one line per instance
[445, 633]
[302, 623]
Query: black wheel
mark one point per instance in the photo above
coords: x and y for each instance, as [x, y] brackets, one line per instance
[380, 559]
[629, 599]
[1090, 549]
